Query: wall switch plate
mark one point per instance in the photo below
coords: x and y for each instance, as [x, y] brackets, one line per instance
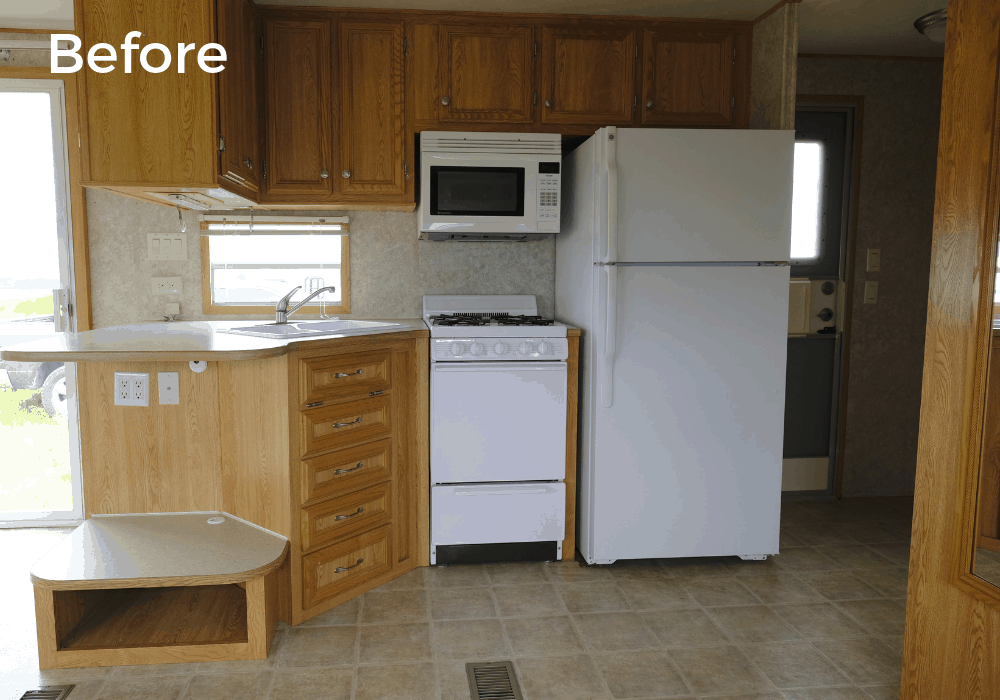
[168, 386]
[874, 256]
[166, 285]
[166, 246]
[871, 292]
[131, 389]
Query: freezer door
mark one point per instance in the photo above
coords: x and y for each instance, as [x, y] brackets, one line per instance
[686, 458]
[498, 421]
[701, 195]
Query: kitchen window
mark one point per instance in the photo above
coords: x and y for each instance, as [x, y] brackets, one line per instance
[247, 268]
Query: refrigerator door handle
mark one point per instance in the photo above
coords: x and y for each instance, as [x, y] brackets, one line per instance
[610, 333]
[611, 183]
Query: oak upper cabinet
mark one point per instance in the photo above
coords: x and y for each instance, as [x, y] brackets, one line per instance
[298, 98]
[487, 73]
[588, 75]
[238, 143]
[373, 144]
[687, 78]
[142, 128]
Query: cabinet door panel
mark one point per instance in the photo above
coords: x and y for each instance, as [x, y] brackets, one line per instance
[588, 75]
[338, 517]
[344, 470]
[298, 108]
[487, 73]
[345, 424]
[372, 142]
[238, 93]
[343, 376]
[687, 78]
[339, 567]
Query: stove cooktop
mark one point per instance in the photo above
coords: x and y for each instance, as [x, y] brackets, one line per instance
[468, 319]
[488, 316]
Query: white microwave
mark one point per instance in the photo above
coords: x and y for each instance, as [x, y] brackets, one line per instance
[489, 186]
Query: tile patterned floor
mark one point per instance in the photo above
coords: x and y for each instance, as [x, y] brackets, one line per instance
[821, 621]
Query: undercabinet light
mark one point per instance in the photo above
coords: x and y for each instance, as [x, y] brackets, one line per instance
[287, 224]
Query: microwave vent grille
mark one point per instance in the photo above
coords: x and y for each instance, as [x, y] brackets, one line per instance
[510, 145]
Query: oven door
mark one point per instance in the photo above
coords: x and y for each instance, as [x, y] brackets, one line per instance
[498, 421]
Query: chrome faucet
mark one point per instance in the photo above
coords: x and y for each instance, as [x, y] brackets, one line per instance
[281, 310]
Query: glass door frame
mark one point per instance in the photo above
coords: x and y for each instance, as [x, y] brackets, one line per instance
[56, 89]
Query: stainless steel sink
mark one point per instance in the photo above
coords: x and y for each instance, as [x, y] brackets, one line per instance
[307, 328]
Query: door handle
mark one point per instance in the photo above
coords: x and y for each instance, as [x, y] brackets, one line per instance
[610, 328]
[611, 254]
[344, 425]
[338, 375]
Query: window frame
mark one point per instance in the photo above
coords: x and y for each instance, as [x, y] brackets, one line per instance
[310, 309]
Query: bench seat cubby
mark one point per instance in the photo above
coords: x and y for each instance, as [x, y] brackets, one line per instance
[158, 588]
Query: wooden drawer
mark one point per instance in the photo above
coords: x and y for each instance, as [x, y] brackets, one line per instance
[334, 519]
[357, 467]
[358, 559]
[344, 376]
[344, 424]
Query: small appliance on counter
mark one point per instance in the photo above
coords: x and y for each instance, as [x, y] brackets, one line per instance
[498, 429]
[674, 263]
[478, 186]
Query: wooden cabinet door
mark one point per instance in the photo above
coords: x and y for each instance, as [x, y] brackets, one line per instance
[588, 75]
[299, 111]
[372, 134]
[238, 159]
[488, 74]
[687, 78]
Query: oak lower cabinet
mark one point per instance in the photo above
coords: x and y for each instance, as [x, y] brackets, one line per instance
[325, 445]
[687, 78]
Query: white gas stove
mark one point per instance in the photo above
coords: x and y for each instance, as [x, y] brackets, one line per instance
[498, 429]
[492, 328]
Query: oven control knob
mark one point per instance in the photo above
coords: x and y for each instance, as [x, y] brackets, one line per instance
[544, 348]
[456, 349]
[525, 348]
[500, 348]
[477, 349]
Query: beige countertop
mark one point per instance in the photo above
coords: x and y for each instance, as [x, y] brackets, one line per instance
[178, 340]
[110, 548]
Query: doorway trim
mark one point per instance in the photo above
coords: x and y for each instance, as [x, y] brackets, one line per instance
[855, 105]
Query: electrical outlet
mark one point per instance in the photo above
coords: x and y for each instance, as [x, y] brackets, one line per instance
[874, 260]
[871, 292]
[167, 386]
[166, 285]
[131, 389]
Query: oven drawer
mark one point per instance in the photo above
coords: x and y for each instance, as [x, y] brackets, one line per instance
[334, 569]
[345, 423]
[498, 421]
[484, 513]
[344, 376]
[333, 519]
[342, 471]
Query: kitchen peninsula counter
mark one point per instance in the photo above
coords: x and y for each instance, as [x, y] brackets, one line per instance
[184, 341]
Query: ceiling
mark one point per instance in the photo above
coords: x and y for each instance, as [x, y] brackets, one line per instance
[865, 27]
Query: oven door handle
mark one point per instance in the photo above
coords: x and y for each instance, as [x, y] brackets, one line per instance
[557, 366]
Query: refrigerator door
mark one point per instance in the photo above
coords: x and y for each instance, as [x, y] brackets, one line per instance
[686, 459]
[695, 195]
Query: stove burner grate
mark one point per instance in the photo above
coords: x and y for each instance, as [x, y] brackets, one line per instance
[488, 319]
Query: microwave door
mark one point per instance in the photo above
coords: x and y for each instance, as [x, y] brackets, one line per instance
[477, 191]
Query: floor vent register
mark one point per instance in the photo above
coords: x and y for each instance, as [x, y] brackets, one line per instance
[493, 681]
[48, 692]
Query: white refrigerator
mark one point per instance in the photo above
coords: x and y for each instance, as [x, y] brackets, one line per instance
[673, 259]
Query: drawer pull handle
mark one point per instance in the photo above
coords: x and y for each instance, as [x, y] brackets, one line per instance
[359, 511]
[314, 404]
[344, 425]
[339, 375]
[347, 471]
[342, 569]
[376, 393]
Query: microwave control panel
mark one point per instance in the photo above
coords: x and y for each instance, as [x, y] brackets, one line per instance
[548, 191]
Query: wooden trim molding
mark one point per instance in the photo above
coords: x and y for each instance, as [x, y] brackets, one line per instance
[775, 8]
[872, 57]
[78, 195]
[208, 307]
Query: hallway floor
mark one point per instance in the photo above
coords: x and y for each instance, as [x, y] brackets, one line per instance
[821, 621]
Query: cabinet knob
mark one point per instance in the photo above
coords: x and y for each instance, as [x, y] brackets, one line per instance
[446, 101]
[324, 174]
[649, 104]
[548, 103]
[346, 174]
[248, 163]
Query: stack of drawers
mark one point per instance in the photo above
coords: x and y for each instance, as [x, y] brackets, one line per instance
[346, 473]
